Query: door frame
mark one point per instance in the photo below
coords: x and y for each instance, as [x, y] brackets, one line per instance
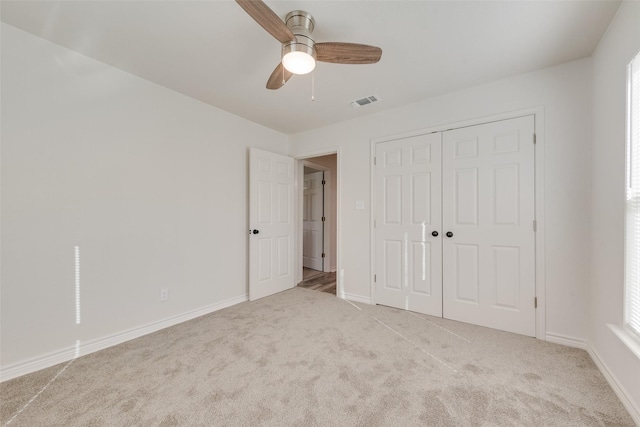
[298, 199]
[539, 200]
[326, 205]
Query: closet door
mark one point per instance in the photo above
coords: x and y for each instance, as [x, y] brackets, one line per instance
[408, 224]
[488, 209]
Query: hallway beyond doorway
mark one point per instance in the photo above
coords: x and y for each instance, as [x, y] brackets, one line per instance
[318, 281]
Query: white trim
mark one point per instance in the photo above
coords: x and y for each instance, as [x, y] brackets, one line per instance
[627, 339]
[566, 340]
[372, 219]
[299, 171]
[618, 389]
[328, 222]
[541, 281]
[357, 298]
[298, 233]
[539, 127]
[443, 127]
[82, 349]
[340, 279]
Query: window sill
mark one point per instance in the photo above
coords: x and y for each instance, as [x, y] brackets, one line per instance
[631, 342]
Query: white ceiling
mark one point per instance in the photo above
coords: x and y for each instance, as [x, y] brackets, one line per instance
[213, 51]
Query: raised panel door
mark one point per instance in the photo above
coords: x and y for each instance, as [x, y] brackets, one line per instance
[271, 224]
[407, 212]
[488, 207]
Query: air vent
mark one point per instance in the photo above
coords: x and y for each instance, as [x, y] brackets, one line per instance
[364, 101]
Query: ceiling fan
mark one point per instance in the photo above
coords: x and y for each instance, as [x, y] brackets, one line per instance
[299, 50]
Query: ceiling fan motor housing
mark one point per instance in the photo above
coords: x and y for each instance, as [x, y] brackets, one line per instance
[301, 24]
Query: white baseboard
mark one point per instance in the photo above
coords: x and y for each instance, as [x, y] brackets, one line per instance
[566, 340]
[83, 348]
[630, 406]
[356, 298]
[618, 389]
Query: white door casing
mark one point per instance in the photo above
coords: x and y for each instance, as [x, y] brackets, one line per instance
[312, 221]
[407, 210]
[488, 206]
[271, 214]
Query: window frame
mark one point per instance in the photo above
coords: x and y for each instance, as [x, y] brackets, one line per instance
[632, 196]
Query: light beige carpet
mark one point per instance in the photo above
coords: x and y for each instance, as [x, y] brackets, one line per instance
[306, 358]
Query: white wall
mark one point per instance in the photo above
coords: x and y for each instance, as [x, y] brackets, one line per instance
[565, 94]
[150, 184]
[615, 51]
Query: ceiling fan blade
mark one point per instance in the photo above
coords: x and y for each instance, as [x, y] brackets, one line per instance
[279, 77]
[347, 53]
[267, 18]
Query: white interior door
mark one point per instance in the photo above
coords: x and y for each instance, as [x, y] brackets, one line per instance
[488, 207]
[271, 222]
[408, 224]
[312, 221]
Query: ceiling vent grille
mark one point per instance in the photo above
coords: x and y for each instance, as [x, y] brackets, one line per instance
[364, 101]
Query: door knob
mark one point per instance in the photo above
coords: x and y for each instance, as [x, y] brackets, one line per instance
[434, 234]
[255, 231]
[449, 234]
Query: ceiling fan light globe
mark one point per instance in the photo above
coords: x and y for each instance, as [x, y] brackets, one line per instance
[298, 62]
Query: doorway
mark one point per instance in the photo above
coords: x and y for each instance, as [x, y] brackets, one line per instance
[313, 219]
[318, 214]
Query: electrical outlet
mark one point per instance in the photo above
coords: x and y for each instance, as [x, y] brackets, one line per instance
[164, 294]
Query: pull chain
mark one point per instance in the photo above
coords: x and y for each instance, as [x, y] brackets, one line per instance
[313, 86]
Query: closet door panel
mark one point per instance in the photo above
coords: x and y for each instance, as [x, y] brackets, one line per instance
[407, 212]
[488, 207]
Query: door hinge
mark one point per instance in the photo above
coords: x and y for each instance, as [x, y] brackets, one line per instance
[374, 161]
[324, 182]
[375, 278]
[535, 225]
[535, 138]
[324, 218]
[323, 255]
[535, 302]
[374, 223]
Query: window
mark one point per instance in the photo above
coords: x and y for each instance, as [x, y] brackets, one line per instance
[632, 251]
